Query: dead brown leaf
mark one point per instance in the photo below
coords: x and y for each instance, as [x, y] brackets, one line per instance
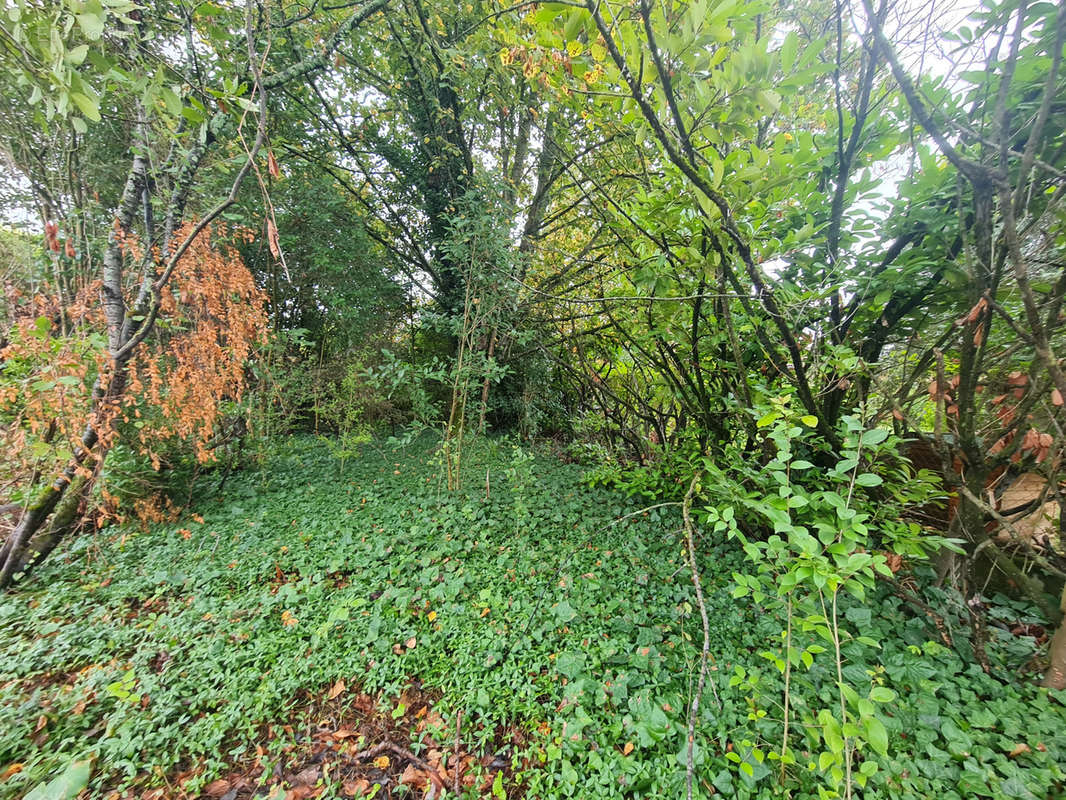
[356, 788]
[1019, 749]
[307, 776]
[272, 238]
[217, 788]
[337, 689]
[412, 776]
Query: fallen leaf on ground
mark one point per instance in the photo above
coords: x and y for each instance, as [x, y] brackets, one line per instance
[217, 788]
[336, 689]
[381, 762]
[412, 776]
[356, 788]
[12, 769]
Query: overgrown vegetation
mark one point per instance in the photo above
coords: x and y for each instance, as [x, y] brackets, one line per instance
[581, 398]
[165, 653]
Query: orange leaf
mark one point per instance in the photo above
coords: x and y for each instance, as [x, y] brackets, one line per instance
[272, 165]
[337, 689]
[12, 769]
[381, 762]
[627, 749]
[343, 733]
[974, 313]
[1020, 748]
[1056, 397]
[485, 611]
[51, 236]
[272, 238]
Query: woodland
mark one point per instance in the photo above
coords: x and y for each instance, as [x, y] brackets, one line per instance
[583, 399]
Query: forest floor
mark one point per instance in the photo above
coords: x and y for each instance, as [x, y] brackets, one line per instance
[328, 629]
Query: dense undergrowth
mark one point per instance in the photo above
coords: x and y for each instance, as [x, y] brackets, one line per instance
[530, 602]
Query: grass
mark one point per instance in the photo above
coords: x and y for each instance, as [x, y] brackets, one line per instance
[565, 637]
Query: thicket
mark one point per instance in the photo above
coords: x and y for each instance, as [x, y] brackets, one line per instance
[791, 270]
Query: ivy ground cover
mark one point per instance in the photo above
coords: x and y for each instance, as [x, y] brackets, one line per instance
[322, 609]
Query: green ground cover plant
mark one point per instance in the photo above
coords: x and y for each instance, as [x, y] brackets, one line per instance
[531, 602]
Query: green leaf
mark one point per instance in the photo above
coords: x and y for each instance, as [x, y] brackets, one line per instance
[789, 48]
[76, 55]
[171, 101]
[564, 612]
[89, 107]
[92, 25]
[876, 735]
[868, 479]
[570, 664]
[65, 787]
[809, 420]
[574, 22]
[882, 694]
[874, 436]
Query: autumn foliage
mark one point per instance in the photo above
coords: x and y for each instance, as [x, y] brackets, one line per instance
[211, 320]
[215, 317]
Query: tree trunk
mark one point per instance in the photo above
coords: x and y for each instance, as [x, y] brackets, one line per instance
[1055, 677]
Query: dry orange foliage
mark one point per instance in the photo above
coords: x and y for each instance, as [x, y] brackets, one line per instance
[212, 317]
[215, 317]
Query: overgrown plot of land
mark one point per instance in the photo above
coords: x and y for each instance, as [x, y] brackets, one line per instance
[529, 608]
[203, 657]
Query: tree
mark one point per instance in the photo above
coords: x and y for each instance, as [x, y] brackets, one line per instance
[170, 135]
[1009, 163]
